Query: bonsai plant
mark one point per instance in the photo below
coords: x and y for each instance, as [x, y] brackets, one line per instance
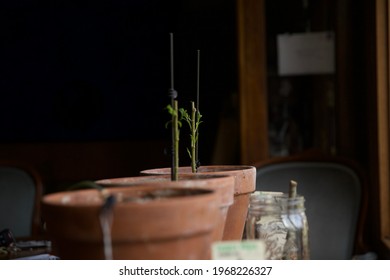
[245, 176]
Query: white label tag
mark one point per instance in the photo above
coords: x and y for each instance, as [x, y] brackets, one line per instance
[238, 250]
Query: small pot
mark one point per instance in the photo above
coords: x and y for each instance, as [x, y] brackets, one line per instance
[223, 185]
[245, 184]
[148, 222]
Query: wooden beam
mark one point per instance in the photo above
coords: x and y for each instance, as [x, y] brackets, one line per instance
[383, 78]
[252, 80]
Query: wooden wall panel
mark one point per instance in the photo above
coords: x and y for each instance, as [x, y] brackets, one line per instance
[252, 80]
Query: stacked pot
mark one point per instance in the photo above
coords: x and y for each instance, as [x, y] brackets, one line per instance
[151, 217]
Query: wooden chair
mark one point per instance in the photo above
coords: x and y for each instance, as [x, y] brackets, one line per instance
[335, 199]
[20, 198]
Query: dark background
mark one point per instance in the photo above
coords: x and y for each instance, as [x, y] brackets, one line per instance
[99, 70]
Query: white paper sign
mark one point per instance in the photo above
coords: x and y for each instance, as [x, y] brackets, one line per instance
[306, 53]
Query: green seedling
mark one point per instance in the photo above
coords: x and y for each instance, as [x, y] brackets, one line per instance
[174, 112]
[193, 122]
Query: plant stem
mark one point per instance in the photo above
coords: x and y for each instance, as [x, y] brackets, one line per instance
[175, 124]
[175, 129]
[197, 105]
[292, 193]
[193, 139]
[193, 122]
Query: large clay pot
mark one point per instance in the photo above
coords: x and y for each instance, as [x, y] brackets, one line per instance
[223, 185]
[147, 223]
[245, 184]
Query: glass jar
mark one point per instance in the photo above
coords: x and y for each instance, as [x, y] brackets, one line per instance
[281, 223]
[265, 222]
[295, 220]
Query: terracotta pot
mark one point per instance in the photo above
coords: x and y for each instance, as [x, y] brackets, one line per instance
[245, 184]
[147, 223]
[223, 185]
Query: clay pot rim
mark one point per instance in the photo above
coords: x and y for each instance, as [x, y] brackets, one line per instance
[60, 199]
[204, 169]
[182, 177]
[245, 172]
[224, 190]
